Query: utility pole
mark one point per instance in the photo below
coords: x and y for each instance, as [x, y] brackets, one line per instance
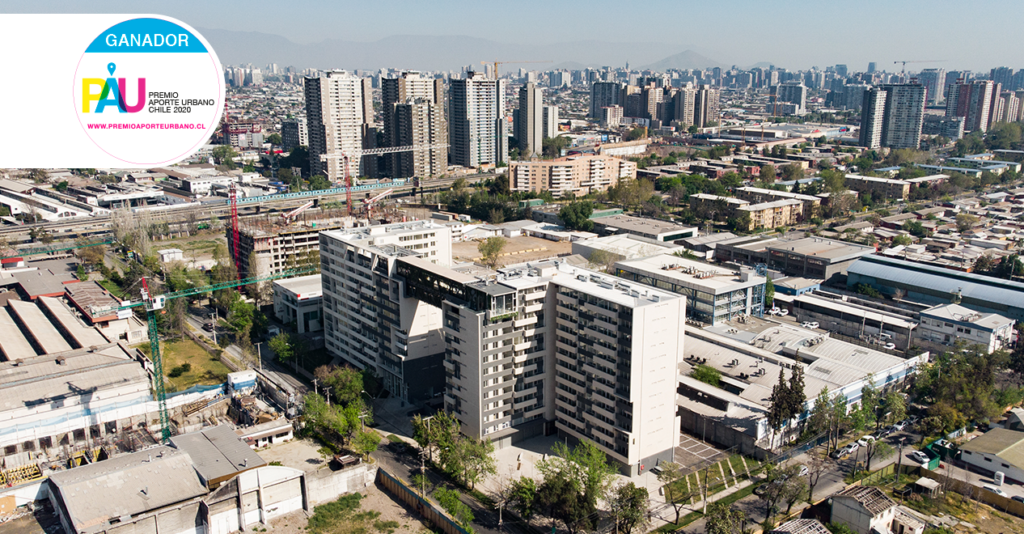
[899, 462]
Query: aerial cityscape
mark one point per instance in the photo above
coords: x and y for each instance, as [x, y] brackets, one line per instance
[449, 282]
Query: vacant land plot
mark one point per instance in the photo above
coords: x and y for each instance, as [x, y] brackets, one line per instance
[202, 369]
[517, 250]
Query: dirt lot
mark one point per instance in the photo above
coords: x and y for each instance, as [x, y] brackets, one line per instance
[302, 454]
[517, 250]
[374, 499]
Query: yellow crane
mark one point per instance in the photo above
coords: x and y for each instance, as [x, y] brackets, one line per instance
[496, 63]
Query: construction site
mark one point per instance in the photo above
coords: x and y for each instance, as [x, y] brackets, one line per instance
[274, 243]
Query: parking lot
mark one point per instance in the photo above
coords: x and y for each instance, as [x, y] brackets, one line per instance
[693, 452]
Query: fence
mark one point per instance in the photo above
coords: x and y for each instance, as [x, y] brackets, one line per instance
[424, 507]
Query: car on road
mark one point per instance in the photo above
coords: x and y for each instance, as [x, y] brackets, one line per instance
[208, 327]
[810, 324]
[890, 346]
[919, 457]
[863, 442]
[889, 429]
[899, 426]
[996, 490]
[803, 471]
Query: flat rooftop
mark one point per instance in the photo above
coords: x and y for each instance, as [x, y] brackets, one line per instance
[691, 273]
[771, 205]
[831, 249]
[875, 179]
[610, 288]
[642, 225]
[783, 194]
[303, 287]
[960, 314]
[13, 343]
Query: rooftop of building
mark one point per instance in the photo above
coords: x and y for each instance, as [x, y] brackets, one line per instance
[848, 311]
[875, 179]
[217, 452]
[693, 273]
[1002, 442]
[101, 493]
[929, 178]
[960, 314]
[822, 248]
[44, 282]
[303, 287]
[609, 288]
[89, 296]
[775, 193]
[644, 225]
[628, 245]
[772, 205]
[34, 380]
[708, 239]
[874, 500]
[797, 282]
[801, 526]
[939, 279]
[741, 350]
[729, 200]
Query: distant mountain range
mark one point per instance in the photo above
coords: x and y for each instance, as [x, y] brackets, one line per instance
[425, 52]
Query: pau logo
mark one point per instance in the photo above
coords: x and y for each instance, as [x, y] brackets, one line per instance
[112, 92]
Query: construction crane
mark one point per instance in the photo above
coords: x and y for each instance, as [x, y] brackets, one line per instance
[496, 63]
[233, 199]
[372, 152]
[155, 304]
[371, 202]
[295, 212]
[917, 61]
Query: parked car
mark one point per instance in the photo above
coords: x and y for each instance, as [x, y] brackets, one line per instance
[919, 457]
[899, 426]
[890, 346]
[774, 311]
[889, 429]
[803, 471]
[810, 324]
[208, 327]
[863, 442]
[783, 313]
[1017, 498]
[996, 490]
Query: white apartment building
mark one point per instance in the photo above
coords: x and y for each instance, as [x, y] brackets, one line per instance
[942, 326]
[549, 348]
[299, 300]
[339, 108]
[477, 126]
[369, 322]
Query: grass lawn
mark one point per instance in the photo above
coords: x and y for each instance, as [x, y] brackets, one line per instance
[205, 369]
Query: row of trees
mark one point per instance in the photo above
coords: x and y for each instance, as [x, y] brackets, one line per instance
[467, 460]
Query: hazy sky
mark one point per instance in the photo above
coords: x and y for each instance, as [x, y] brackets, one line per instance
[794, 34]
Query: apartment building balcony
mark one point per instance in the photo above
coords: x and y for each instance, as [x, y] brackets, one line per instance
[602, 411]
[587, 368]
[565, 405]
[532, 308]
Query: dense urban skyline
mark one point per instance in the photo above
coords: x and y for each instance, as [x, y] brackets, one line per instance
[805, 34]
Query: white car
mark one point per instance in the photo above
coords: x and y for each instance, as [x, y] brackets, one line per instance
[863, 442]
[810, 324]
[919, 457]
[783, 313]
[996, 490]
[774, 311]
[890, 346]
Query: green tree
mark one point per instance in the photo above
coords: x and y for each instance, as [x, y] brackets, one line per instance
[965, 221]
[281, 344]
[490, 251]
[792, 172]
[225, 155]
[553, 146]
[629, 505]
[895, 407]
[674, 486]
[768, 173]
[62, 186]
[275, 139]
[80, 273]
[365, 442]
[451, 501]
[500, 185]
[877, 450]
[902, 240]
[576, 215]
[723, 519]
[840, 528]
[523, 497]
[769, 293]
[574, 481]
[319, 182]
[706, 374]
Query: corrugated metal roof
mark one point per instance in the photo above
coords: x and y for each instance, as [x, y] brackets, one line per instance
[218, 452]
[126, 485]
[974, 286]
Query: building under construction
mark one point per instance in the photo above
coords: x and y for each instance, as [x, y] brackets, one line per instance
[275, 243]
